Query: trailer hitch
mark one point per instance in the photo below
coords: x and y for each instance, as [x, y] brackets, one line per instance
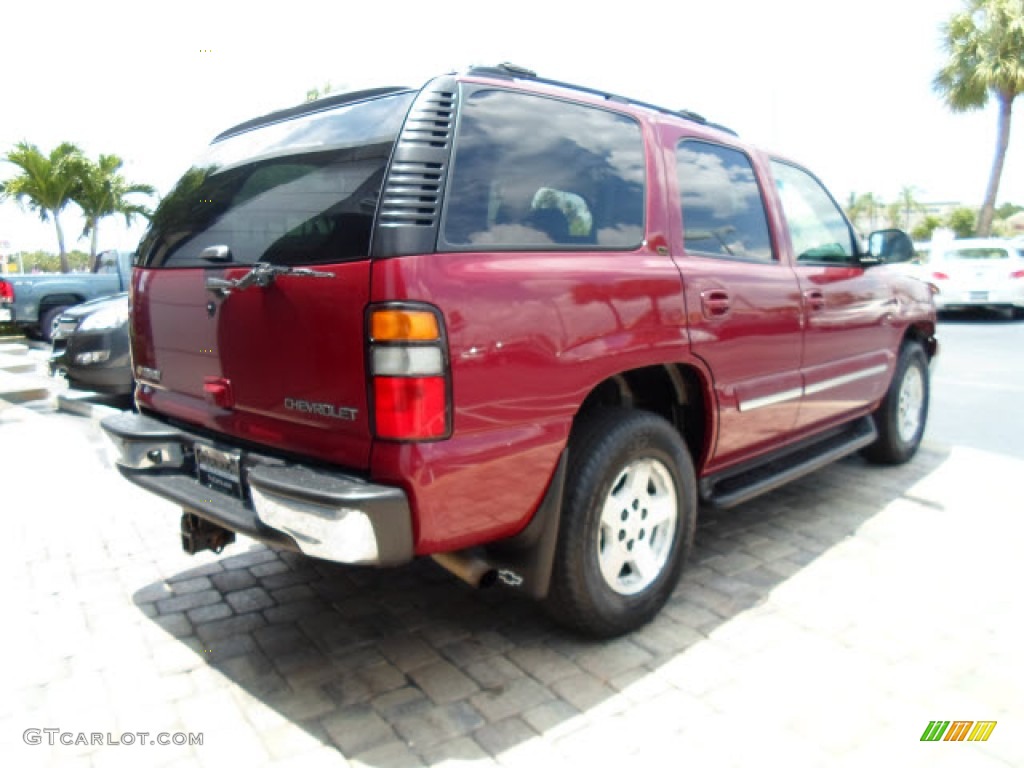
[198, 534]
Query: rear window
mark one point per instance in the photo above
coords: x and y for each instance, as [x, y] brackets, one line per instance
[106, 263]
[977, 254]
[534, 172]
[302, 191]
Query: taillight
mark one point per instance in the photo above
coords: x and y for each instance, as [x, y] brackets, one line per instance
[1018, 274]
[940, 275]
[218, 391]
[409, 373]
[6, 291]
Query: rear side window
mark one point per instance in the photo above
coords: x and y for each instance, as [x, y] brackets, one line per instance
[532, 172]
[723, 211]
[302, 191]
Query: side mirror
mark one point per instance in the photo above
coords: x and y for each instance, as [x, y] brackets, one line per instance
[890, 246]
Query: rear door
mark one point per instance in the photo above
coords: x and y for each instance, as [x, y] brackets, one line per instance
[278, 360]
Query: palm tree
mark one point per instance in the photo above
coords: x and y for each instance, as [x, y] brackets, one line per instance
[909, 204]
[864, 205]
[46, 183]
[318, 93]
[104, 192]
[892, 213]
[852, 209]
[985, 43]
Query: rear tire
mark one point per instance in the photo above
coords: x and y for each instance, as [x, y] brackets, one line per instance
[627, 523]
[901, 418]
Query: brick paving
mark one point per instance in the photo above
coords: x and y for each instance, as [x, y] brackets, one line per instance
[823, 625]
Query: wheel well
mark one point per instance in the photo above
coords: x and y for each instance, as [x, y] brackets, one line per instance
[58, 300]
[923, 334]
[674, 392]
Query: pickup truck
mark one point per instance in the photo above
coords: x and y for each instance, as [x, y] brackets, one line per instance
[34, 302]
[526, 328]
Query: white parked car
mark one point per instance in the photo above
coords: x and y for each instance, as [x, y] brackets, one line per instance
[985, 273]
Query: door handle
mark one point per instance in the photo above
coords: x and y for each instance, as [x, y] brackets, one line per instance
[815, 299]
[715, 302]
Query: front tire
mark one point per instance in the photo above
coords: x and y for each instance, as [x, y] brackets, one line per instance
[48, 322]
[627, 522]
[901, 418]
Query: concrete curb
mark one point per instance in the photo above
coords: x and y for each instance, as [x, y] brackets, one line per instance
[18, 362]
[13, 348]
[23, 387]
[80, 404]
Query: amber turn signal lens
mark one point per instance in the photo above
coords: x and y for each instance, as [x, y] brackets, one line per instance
[403, 325]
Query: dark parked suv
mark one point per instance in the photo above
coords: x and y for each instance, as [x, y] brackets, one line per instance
[520, 326]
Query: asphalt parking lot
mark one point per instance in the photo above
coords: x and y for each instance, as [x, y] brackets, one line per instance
[825, 624]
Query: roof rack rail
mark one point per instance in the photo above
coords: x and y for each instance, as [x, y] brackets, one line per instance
[308, 107]
[511, 71]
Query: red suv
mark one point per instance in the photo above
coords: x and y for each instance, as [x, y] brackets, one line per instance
[524, 327]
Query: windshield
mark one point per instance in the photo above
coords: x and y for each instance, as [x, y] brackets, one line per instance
[302, 191]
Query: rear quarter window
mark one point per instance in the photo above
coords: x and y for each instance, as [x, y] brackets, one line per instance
[533, 172]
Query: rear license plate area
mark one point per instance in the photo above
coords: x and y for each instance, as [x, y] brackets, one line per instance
[219, 470]
[978, 295]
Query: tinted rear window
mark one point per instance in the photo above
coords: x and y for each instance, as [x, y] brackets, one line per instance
[977, 254]
[302, 191]
[533, 172]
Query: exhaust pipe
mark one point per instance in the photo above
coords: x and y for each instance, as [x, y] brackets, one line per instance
[472, 569]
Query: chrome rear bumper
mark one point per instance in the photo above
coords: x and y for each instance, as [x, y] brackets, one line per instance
[326, 514]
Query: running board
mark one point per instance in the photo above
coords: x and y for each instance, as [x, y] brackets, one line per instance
[739, 484]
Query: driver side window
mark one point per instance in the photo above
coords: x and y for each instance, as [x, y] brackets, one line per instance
[817, 227]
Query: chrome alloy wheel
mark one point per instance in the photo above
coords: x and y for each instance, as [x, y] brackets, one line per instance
[638, 522]
[911, 404]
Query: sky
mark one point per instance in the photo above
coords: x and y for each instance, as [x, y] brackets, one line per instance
[842, 86]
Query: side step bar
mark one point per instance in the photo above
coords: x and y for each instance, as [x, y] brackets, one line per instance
[739, 484]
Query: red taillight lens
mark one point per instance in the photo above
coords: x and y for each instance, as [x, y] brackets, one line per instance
[940, 275]
[410, 409]
[409, 373]
[6, 291]
[1018, 274]
[218, 391]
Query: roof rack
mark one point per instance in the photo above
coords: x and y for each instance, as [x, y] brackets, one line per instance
[509, 71]
[308, 108]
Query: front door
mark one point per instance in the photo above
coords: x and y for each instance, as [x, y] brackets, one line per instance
[742, 298]
[850, 335]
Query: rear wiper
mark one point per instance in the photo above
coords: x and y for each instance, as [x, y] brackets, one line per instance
[261, 275]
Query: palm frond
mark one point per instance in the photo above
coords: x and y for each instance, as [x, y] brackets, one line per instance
[985, 48]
